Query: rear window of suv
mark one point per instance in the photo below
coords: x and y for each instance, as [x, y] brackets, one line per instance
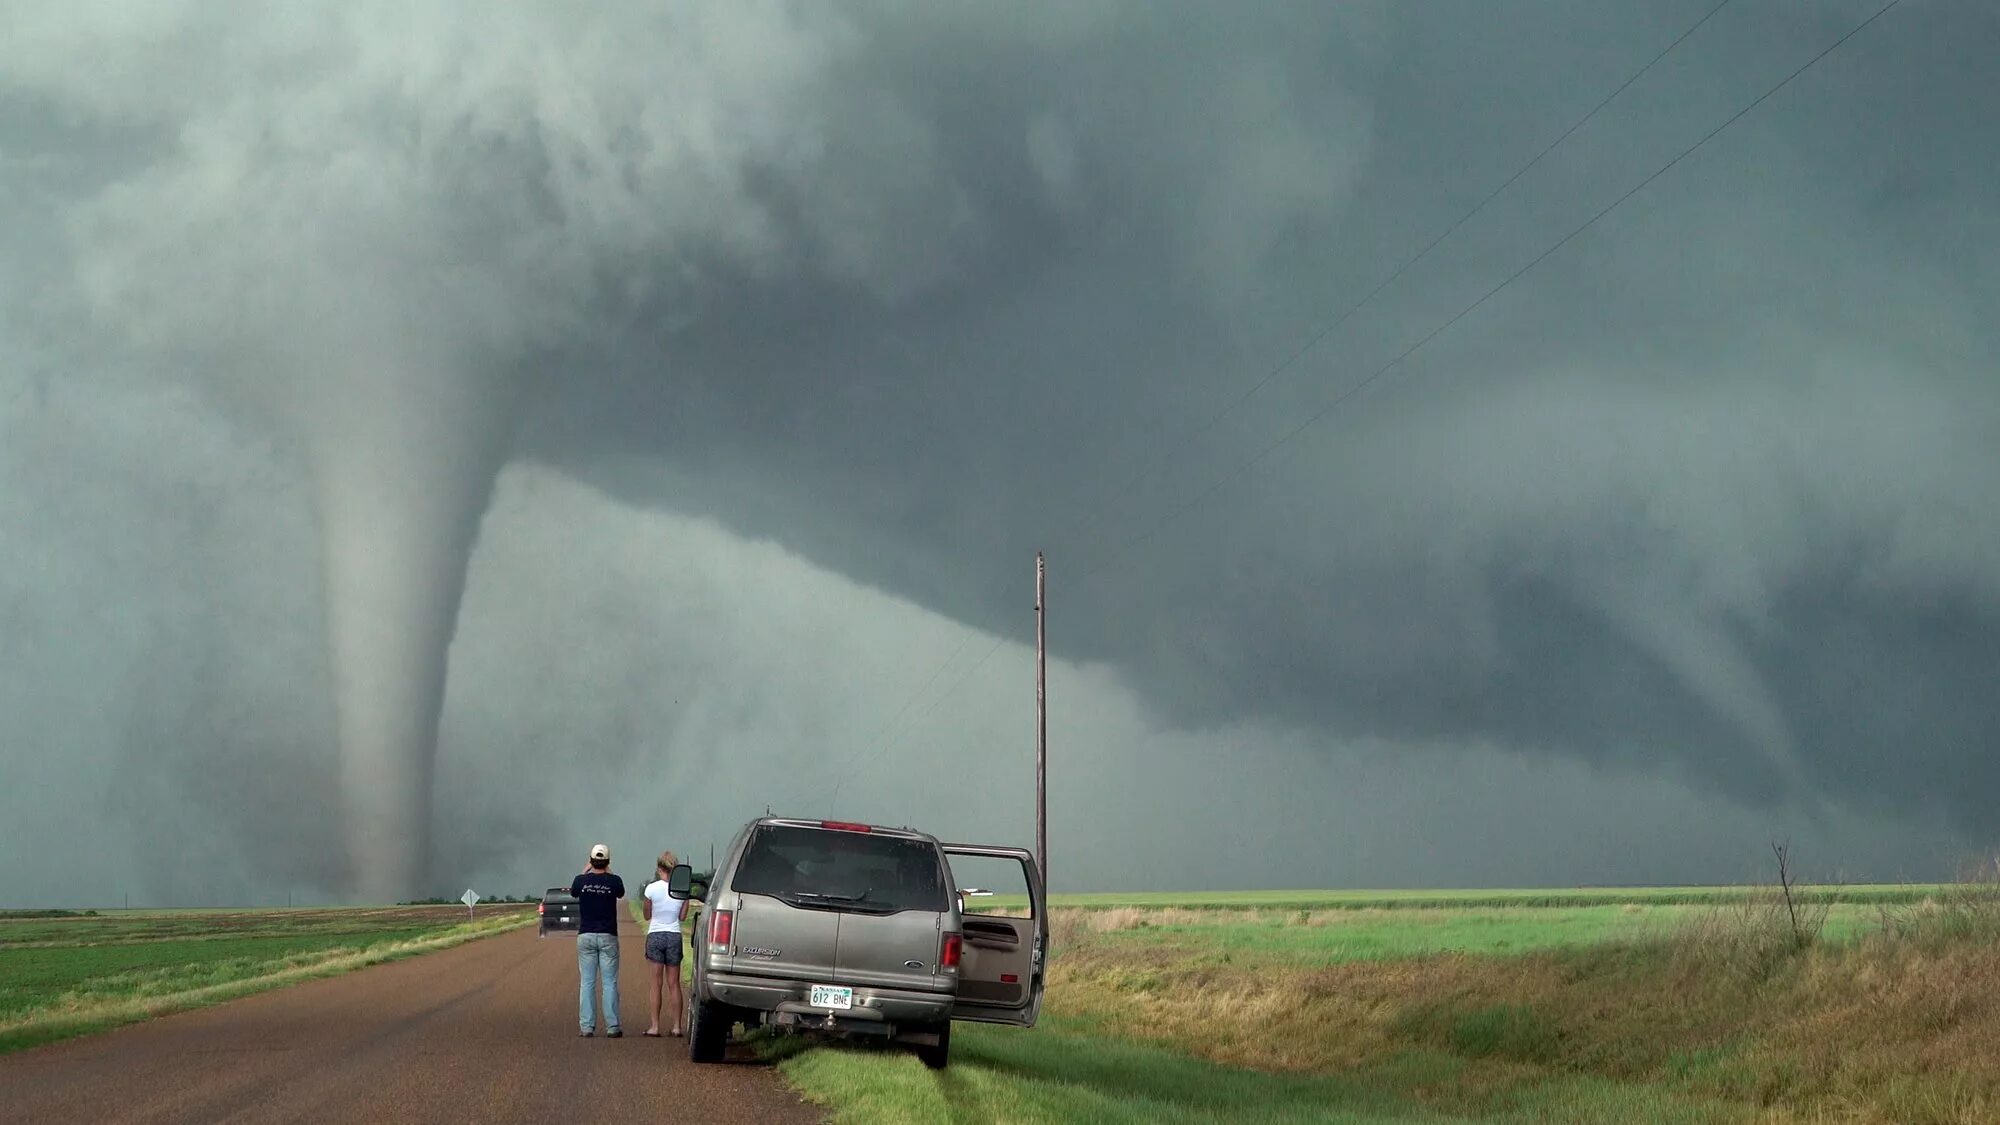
[836, 870]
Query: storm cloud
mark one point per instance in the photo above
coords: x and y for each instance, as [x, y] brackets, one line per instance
[875, 302]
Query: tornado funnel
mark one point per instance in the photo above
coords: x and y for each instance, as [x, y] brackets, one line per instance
[402, 470]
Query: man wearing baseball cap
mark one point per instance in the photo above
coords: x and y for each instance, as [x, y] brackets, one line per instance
[597, 892]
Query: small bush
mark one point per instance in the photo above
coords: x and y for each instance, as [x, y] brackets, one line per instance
[1748, 940]
[1752, 936]
[1967, 910]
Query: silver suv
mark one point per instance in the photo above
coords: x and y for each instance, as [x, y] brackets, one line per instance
[857, 929]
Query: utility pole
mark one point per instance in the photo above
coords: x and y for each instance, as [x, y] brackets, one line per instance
[1041, 721]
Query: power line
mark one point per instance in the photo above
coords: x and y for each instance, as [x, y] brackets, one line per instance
[1299, 353]
[928, 712]
[908, 703]
[1434, 333]
[1291, 360]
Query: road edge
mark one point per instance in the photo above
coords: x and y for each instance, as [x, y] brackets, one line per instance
[40, 1031]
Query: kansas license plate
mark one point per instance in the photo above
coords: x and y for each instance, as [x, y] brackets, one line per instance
[831, 996]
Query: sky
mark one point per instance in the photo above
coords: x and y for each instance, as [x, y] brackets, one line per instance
[561, 425]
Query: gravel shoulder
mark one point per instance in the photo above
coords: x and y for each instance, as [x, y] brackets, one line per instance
[485, 1031]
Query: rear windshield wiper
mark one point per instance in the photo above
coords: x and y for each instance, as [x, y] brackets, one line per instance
[825, 901]
[831, 898]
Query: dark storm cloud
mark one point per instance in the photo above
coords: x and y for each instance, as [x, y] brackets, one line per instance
[914, 290]
[1700, 492]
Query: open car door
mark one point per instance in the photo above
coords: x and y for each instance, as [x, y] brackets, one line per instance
[1000, 970]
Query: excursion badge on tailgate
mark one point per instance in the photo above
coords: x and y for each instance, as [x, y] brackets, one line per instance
[757, 951]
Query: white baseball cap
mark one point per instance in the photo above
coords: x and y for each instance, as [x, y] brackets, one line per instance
[600, 851]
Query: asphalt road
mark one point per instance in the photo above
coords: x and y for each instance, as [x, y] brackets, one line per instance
[486, 1031]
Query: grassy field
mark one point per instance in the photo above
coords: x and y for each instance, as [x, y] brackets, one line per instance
[1066, 1071]
[1336, 1007]
[67, 975]
[1203, 938]
[1863, 894]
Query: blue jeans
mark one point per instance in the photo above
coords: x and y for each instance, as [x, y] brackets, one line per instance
[597, 960]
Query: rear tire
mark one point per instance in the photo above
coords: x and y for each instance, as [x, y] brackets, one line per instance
[708, 1030]
[938, 1056]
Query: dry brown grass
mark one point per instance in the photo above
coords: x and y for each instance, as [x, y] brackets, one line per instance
[1067, 925]
[1746, 939]
[1268, 1017]
[1901, 1026]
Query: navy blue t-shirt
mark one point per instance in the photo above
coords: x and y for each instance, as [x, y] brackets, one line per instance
[597, 898]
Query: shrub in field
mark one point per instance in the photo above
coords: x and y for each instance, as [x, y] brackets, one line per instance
[1752, 935]
[1747, 939]
[1967, 910]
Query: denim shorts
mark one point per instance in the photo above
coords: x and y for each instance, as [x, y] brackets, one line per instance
[664, 949]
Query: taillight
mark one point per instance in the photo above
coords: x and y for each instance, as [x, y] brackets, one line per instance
[722, 928]
[541, 908]
[843, 826]
[948, 956]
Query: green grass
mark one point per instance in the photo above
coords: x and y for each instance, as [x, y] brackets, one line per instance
[67, 976]
[120, 927]
[1327, 937]
[1595, 1004]
[43, 977]
[1064, 1072]
[1868, 893]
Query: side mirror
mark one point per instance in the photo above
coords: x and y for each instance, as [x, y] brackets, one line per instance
[681, 882]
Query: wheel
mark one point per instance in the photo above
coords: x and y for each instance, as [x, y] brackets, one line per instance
[938, 1055]
[708, 1030]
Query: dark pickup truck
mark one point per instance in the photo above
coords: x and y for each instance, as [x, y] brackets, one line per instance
[558, 911]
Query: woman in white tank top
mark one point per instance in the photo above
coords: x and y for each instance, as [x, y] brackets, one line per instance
[663, 944]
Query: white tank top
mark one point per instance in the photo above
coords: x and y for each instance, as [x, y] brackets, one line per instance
[666, 909]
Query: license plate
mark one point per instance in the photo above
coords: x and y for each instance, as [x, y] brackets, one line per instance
[831, 996]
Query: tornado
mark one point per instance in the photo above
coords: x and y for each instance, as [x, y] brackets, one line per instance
[402, 463]
[364, 253]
